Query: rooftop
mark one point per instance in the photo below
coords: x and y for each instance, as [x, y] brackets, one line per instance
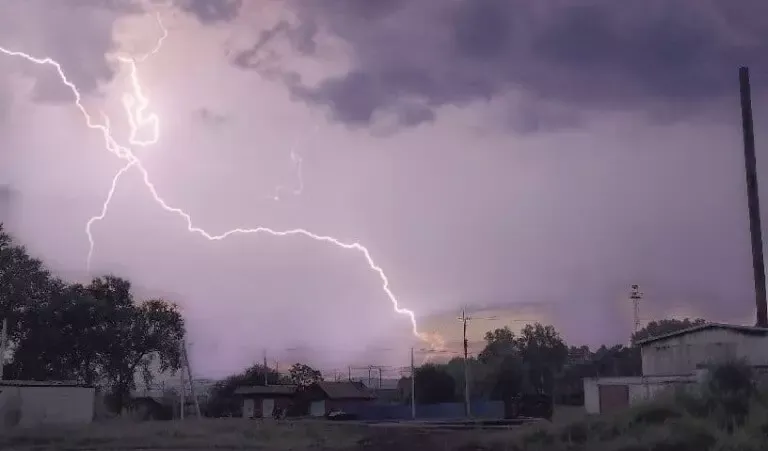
[16, 383]
[280, 390]
[747, 330]
[346, 390]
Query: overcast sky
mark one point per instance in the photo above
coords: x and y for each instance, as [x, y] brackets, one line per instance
[489, 153]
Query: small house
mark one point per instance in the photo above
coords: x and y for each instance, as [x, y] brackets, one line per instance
[260, 401]
[677, 360]
[36, 403]
[350, 397]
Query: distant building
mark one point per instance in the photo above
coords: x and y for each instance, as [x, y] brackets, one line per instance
[350, 397]
[35, 403]
[678, 359]
[261, 401]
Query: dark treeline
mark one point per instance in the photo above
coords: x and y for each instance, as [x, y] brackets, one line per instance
[534, 361]
[96, 334]
[99, 334]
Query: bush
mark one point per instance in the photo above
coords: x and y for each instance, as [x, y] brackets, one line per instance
[729, 390]
[655, 413]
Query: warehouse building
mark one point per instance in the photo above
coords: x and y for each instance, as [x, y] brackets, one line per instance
[36, 403]
[677, 360]
[260, 401]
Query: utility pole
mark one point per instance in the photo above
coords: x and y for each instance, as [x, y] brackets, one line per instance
[413, 387]
[191, 380]
[635, 295]
[753, 199]
[266, 370]
[182, 386]
[464, 318]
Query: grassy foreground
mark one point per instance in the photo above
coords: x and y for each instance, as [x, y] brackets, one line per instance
[210, 434]
[728, 413]
[667, 426]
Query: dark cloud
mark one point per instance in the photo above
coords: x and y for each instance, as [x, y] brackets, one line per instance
[211, 11]
[595, 54]
[76, 33]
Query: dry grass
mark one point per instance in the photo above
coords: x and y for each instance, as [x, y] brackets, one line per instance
[189, 434]
[210, 434]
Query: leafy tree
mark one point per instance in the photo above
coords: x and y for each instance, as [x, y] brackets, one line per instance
[222, 401]
[24, 282]
[434, 385]
[505, 372]
[665, 326]
[134, 335]
[59, 340]
[481, 377]
[304, 375]
[499, 343]
[544, 352]
[96, 334]
[617, 361]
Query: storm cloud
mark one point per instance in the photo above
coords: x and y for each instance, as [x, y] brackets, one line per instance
[410, 58]
[76, 33]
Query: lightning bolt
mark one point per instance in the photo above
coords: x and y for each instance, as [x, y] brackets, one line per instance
[135, 104]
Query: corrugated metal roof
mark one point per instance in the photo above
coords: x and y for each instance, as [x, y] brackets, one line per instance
[749, 330]
[281, 390]
[15, 383]
[345, 390]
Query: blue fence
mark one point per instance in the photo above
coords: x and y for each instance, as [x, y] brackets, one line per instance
[480, 409]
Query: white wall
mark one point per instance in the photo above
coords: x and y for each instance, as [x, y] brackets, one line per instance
[32, 406]
[681, 354]
[591, 395]
[641, 389]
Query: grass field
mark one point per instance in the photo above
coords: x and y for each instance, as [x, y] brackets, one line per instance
[212, 434]
[726, 421]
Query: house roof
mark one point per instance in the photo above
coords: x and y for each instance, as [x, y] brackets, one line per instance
[345, 390]
[17, 383]
[261, 390]
[747, 330]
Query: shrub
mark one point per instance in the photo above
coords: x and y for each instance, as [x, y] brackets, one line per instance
[729, 390]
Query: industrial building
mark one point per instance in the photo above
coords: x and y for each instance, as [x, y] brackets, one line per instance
[351, 397]
[261, 401]
[316, 400]
[677, 360]
[36, 403]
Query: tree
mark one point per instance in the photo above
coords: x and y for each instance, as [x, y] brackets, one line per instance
[481, 377]
[433, 385]
[665, 326]
[59, 339]
[24, 282]
[504, 375]
[134, 335]
[544, 352]
[303, 375]
[498, 344]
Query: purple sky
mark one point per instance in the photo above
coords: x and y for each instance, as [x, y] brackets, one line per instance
[489, 153]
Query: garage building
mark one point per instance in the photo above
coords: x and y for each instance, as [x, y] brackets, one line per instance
[677, 360]
[350, 397]
[35, 403]
[260, 401]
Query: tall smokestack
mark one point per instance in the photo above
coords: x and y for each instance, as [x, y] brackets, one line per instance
[753, 199]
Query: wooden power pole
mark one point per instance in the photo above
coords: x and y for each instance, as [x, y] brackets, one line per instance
[753, 199]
